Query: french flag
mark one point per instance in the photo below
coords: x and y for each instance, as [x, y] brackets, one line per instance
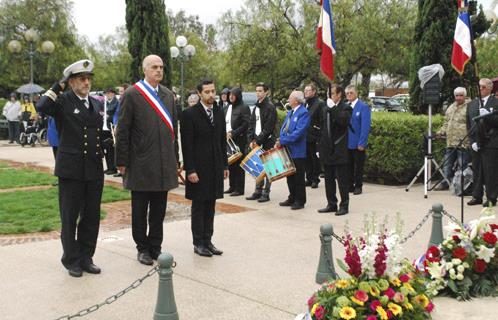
[325, 42]
[462, 47]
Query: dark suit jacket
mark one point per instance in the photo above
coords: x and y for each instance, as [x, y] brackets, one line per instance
[204, 152]
[333, 144]
[268, 114]
[315, 107]
[79, 155]
[144, 144]
[486, 132]
[240, 124]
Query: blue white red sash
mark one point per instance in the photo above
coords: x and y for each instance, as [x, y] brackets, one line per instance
[152, 98]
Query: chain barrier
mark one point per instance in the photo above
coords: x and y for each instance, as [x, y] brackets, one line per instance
[452, 217]
[417, 228]
[135, 284]
[338, 238]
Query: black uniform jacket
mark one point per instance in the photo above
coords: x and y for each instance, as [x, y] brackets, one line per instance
[79, 155]
[315, 107]
[333, 142]
[486, 132]
[239, 122]
[204, 152]
[268, 114]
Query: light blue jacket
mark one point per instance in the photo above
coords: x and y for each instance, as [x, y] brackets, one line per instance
[293, 132]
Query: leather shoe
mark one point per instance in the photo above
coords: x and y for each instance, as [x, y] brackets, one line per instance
[154, 254]
[110, 171]
[357, 191]
[489, 203]
[145, 258]
[75, 272]
[286, 203]
[254, 196]
[264, 198]
[202, 251]
[308, 183]
[342, 211]
[351, 189]
[314, 185]
[328, 208]
[117, 175]
[297, 206]
[90, 268]
[229, 190]
[474, 202]
[236, 194]
[214, 250]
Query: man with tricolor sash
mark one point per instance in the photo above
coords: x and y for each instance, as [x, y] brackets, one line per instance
[147, 155]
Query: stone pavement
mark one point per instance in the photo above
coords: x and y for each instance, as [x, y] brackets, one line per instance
[266, 272]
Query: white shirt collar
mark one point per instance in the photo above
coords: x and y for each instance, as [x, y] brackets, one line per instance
[354, 102]
[485, 99]
[82, 98]
[155, 89]
[206, 107]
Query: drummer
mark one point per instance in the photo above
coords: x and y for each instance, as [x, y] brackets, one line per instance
[293, 136]
[237, 116]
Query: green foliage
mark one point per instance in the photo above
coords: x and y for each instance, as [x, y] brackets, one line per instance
[487, 57]
[16, 177]
[2, 104]
[148, 30]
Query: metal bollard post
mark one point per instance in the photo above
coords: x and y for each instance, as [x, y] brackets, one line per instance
[437, 225]
[165, 305]
[326, 268]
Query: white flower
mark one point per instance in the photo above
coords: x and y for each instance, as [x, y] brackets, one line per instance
[456, 261]
[477, 225]
[460, 268]
[452, 276]
[452, 271]
[459, 276]
[465, 265]
[449, 246]
[485, 253]
[449, 266]
[436, 271]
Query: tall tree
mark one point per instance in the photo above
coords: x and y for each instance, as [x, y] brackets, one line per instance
[148, 31]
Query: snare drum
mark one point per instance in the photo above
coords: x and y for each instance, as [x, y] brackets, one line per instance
[233, 152]
[277, 163]
[252, 164]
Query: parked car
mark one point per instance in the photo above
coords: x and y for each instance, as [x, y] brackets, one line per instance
[403, 99]
[381, 103]
[250, 99]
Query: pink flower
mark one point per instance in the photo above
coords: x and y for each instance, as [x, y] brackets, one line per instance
[361, 295]
[404, 278]
[311, 302]
[374, 305]
[390, 293]
[319, 312]
[429, 307]
[399, 297]
[380, 260]
[389, 314]
[352, 258]
[371, 317]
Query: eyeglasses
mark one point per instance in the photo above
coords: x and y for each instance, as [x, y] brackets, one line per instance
[483, 87]
[349, 92]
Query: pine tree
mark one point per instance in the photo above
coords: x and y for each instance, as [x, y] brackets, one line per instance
[148, 31]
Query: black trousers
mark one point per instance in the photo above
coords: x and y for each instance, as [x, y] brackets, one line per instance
[296, 183]
[312, 163]
[54, 151]
[490, 172]
[108, 147]
[148, 207]
[14, 131]
[341, 174]
[263, 187]
[79, 205]
[237, 176]
[477, 175]
[202, 221]
[356, 165]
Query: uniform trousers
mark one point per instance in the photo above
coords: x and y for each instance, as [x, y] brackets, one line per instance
[237, 177]
[148, 208]
[477, 175]
[296, 183]
[341, 174]
[202, 221]
[79, 205]
[312, 163]
[490, 173]
[356, 165]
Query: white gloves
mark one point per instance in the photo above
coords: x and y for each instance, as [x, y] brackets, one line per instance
[475, 147]
[330, 103]
[483, 111]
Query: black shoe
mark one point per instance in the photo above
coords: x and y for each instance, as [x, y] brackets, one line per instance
[202, 251]
[328, 208]
[11, 142]
[254, 196]
[236, 194]
[119, 174]
[297, 206]
[308, 183]
[322, 175]
[351, 189]
[154, 254]
[474, 202]
[214, 250]
[489, 203]
[314, 185]
[75, 272]
[342, 211]
[90, 268]
[286, 203]
[357, 191]
[110, 171]
[145, 258]
[229, 190]
[264, 198]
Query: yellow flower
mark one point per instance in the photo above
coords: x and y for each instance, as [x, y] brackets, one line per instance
[421, 300]
[374, 291]
[358, 302]
[408, 286]
[314, 308]
[347, 313]
[408, 306]
[341, 284]
[382, 313]
[395, 309]
[396, 282]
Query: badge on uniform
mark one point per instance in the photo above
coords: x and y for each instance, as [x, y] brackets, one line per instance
[76, 111]
[358, 113]
[295, 119]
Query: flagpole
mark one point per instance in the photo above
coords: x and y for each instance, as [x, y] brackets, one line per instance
[473, 59]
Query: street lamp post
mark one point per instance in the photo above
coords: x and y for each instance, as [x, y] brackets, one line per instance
[182, 52]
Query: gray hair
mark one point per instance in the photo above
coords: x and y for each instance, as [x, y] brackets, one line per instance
[486, 82]
[299, 96]
[351, 87]
[193, 98]
[460, 90]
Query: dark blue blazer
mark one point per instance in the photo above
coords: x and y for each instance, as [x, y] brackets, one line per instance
[293, 135]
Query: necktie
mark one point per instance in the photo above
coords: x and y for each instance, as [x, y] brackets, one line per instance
[328, 124]
[210, 115]
[85, 102]
[286, 128]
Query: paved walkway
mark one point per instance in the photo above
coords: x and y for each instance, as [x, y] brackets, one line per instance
[266, 272]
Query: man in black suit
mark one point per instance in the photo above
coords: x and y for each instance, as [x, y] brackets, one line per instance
[262, 133]
[237, 116]
[484, 143]
[203, 135]
[78, 165]
[110, 106]
[315, 107]
[334, 152]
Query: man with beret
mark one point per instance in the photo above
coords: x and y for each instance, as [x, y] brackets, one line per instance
[78, 164]
[111, 104]
[147, 155]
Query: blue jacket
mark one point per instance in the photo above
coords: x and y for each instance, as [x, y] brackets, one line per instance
[294, 137]
[116, 115]
[359, 125]
[52, 134]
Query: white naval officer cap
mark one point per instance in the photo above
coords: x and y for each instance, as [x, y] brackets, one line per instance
[78, 68]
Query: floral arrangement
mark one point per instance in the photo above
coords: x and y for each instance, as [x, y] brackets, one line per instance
[465, 265]
[381, 284]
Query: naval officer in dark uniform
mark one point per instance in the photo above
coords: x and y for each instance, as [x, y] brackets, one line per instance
[78, 164]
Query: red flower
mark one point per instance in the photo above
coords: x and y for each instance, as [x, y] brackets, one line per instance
[456, 239]
[490, 238]
[374, 305]
[390, 293]
[319, 312]
[404, 278]
[459, 253]
[371, 317]
[361, 295]
[429, 307]
[311, 302]
[352, 258]
[493, 227]
[480, 266]
[433, 254]
[380, 260]
[389, 314]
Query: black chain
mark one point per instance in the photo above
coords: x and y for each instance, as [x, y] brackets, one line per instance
[340, 239]
[417, 228]
[452, 218]
[135, 284]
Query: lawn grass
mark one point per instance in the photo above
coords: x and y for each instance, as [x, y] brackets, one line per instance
[38, 210]
[11, 177]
